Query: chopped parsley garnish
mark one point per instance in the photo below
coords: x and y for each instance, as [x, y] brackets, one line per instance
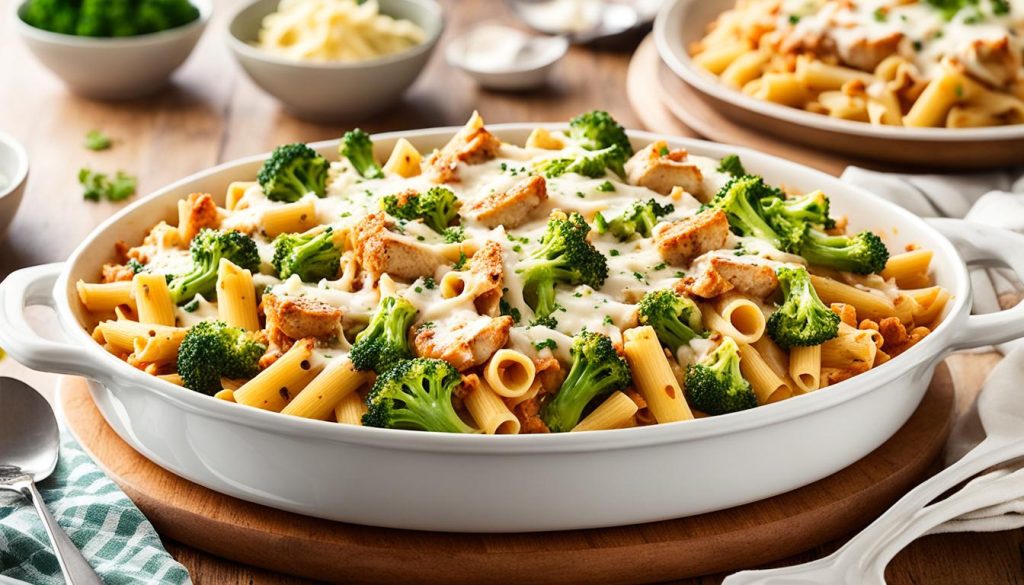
[794, 18]
[509, 310]
[606, 187]
[461, 262]
[613, 252]
[546, 344]
[608, 320]
[663, 151]
[430, 283]
[661, 266]
[881, 14]
[191, 306]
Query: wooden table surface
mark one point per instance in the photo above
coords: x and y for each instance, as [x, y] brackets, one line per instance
[213, 113]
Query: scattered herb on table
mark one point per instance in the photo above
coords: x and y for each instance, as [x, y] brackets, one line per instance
[99, 186]
[97, 140]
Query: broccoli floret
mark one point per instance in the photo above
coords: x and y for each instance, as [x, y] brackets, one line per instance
[385, 341]
[715, 385]
[213, 349]
[454, 235]
[731, 164]
[565, 256]
[803, 319]
[357, 147]
[794, 213]
[437, 207]
[597, 130]
[676, 319]
[741, 198]
[207, 249]
[864, 253]
[311, 256]
[416, 395]
[108, 18]
[591, 164]
[597, 371]
[292, 171]
[639, 219]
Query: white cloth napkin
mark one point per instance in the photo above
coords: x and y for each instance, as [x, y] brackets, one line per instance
[995, 199]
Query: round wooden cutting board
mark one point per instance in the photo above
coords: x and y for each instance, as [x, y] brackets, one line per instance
[732, 539]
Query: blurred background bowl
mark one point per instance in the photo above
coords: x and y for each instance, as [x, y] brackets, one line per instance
[341, 90]
[114, 68]
[14, 173]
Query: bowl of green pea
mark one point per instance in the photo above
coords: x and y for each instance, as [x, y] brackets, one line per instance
[112, 49]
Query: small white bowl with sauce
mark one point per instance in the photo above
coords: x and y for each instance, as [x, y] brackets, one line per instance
[13, 177]
[504, 58]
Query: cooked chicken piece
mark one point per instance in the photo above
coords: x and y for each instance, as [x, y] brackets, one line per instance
[716, 275]
[487, 268]
[464, 343]
[660, 169]
[116, 273]
[866, 53]
[681, 241]
[472, 145]
[381, 250]
[197, 212]
[993, 61]
[510, 208]
[291, 318]
[528, 413]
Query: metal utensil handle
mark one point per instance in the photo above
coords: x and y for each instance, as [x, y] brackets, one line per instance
[77, 571]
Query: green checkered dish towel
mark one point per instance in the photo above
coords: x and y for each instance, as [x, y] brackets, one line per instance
[114, 536]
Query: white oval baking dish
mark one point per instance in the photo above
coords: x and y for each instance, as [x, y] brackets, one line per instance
[683, 22]
[477, 483]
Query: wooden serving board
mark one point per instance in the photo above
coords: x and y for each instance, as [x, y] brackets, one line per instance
[667, 105]
[742, 537]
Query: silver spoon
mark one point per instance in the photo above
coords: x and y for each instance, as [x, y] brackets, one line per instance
[29, 441]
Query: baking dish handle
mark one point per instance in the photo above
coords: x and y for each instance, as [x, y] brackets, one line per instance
[978, 243]
[31, 287]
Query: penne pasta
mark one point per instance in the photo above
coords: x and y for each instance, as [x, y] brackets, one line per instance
[616, 412]
[274, 387]
[153, 299]
[320, 397]
[488, 410]
[510, 373]
[653, 377]
[236, 296]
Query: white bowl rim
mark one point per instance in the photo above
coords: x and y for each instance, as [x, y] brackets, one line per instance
[21, 154]
[205, 11]
[241, 47]
[679, 61]
[931, 347]
[455, 46]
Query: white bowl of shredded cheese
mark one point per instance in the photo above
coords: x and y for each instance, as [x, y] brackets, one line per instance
[335, 59]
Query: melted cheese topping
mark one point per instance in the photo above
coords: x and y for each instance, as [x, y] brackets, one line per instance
[928, 35]
[634, 267]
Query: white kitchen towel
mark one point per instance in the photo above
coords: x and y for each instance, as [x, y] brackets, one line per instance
[995, 199]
